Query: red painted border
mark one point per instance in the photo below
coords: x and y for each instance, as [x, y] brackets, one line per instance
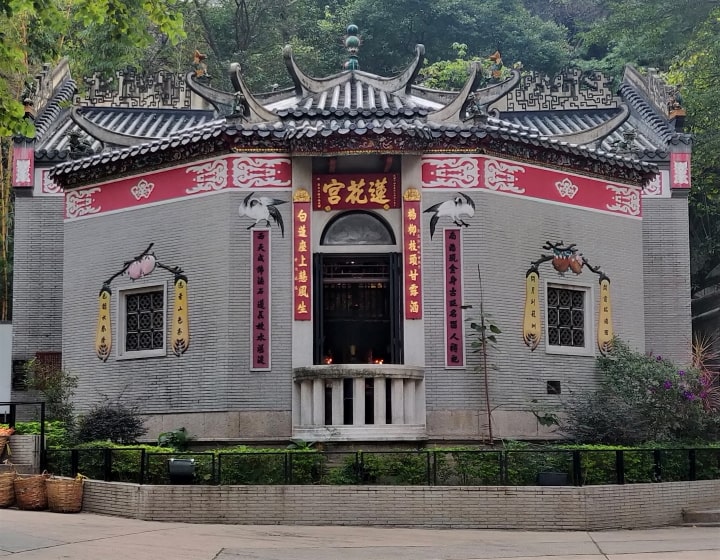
[246, 172]
[529, 181]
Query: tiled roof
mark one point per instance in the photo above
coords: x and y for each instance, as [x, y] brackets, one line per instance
[357, 104]
[307, 128]
[550, 123]
[54, 108]
[660, 126]
[150, 124]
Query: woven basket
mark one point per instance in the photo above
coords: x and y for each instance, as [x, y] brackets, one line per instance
[30, 492]
[7, 489]
[3, 443]
[64, 495]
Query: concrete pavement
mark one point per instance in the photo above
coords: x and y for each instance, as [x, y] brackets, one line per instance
[26, 535]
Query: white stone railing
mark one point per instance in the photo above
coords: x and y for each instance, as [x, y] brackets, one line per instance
[405, 418]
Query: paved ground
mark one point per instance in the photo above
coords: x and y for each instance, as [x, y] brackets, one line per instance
[26, 535]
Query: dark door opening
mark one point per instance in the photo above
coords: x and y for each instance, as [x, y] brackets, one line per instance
[357, 309]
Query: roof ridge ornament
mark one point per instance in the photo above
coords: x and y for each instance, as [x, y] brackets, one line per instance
[245, 106]
[472, 102]
[352, 44]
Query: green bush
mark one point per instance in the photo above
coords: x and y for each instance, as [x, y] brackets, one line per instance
[642, 398]
[467, 466]
[110, 421]
[395, 467]
[516, 464]
[56, 432]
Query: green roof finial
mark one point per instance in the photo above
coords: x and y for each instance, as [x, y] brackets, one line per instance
[352, 44]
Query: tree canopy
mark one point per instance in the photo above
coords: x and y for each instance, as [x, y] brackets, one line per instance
[679, 37]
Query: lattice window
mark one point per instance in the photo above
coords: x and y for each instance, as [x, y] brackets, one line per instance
[145, 320]
[566, 313]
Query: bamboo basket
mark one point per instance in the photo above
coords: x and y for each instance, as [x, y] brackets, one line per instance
[65, 495]
[7, 489]
[3, 443]
[30, 492]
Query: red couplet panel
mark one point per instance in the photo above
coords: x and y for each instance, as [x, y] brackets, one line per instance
[260, 305]
[302, 269]
[411, 257]
[454, 330]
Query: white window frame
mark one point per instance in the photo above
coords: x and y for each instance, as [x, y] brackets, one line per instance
[589, 328]
[122, 294]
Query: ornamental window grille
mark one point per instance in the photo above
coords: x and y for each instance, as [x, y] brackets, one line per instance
[145, 320]
[566, 313]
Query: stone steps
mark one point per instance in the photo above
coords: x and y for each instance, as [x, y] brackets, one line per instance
[706, 517]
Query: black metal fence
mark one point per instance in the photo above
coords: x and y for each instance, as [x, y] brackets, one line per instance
[506, 467]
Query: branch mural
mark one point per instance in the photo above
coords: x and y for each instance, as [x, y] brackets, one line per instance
[564, 258]
[138, 267]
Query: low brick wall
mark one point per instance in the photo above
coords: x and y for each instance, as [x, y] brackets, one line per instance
[477, 507]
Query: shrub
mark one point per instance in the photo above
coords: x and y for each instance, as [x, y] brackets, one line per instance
[642, 398]
[56, 385]
[56, 432]
[113, 422]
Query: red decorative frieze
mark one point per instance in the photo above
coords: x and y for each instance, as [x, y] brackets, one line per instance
[83, 202]
[412, 268]
[362, 190]
[680, 170]
[525, 180]
[23, 166]
[659, 187]
[199, 179]
[302, 271]
[260, 305]
[454, 329]
[256, 172]
[47, 185]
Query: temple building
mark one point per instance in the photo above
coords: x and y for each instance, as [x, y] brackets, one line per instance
[324, 262]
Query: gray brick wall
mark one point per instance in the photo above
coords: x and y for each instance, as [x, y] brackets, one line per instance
[37, 276]
[207, 239]
[535, 508]
[504, 237]
[666, 264]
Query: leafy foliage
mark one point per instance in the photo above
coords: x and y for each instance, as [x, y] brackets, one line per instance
[57, 387]
[56, 432]
[642, 398]
[176, 439]
[117, 423]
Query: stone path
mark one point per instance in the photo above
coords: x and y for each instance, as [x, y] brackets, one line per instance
[26, 535]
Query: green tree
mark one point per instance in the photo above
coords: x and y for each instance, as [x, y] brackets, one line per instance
[390, 32]
[645, 33]
[38, 31]
[696, 72]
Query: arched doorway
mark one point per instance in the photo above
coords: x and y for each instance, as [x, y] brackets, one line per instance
[358, 301]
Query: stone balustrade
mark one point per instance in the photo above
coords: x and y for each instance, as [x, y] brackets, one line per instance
[351, 402]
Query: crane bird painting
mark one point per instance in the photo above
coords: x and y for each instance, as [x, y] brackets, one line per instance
[262, 209]
[455, 208]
